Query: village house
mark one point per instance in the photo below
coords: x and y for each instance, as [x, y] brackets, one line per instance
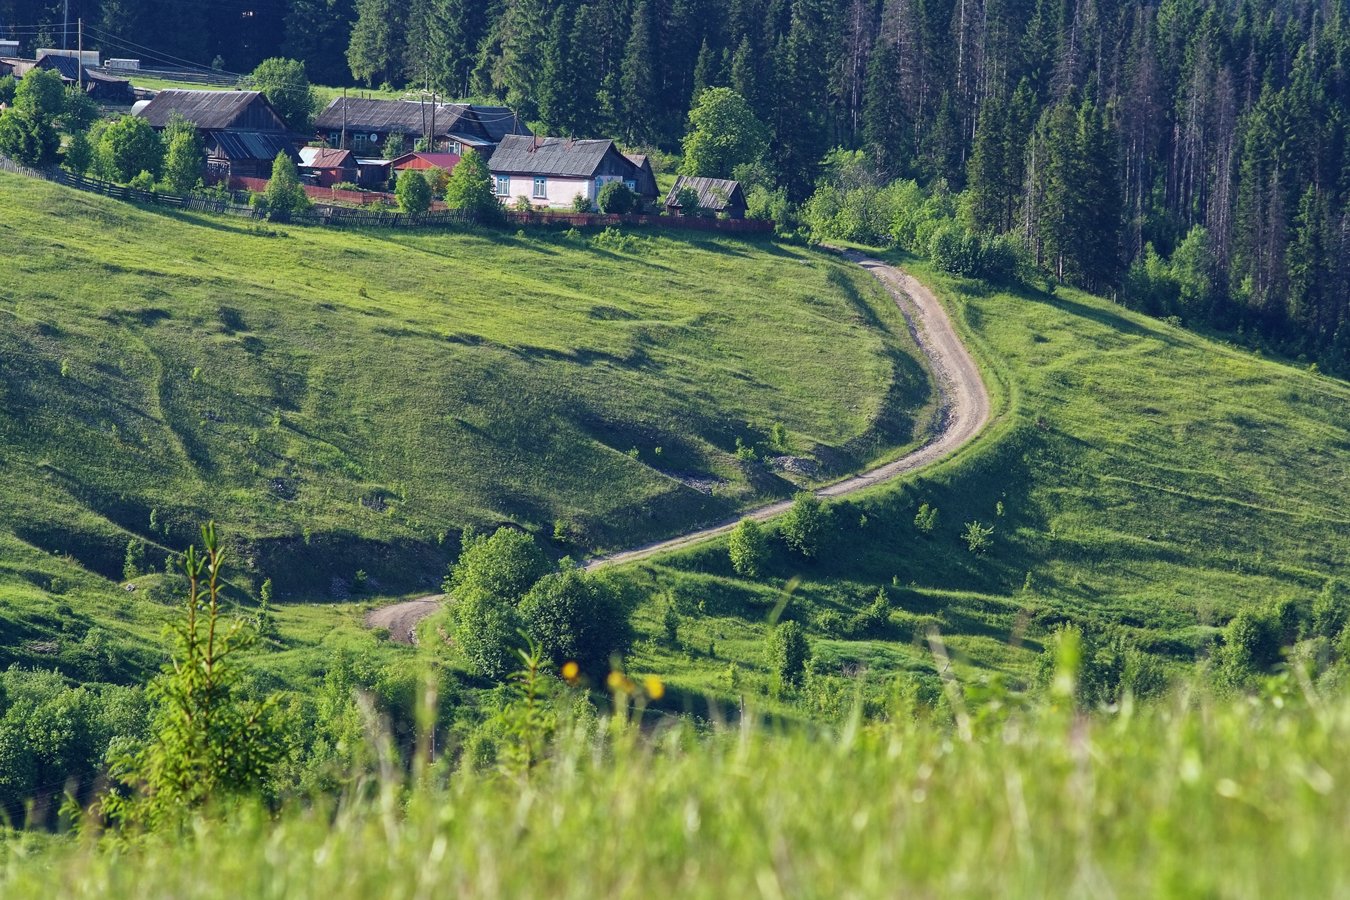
[715, 195]
[644, 179]
[241, 131]
[100, 87]
[552, 172]
[367, 126]
[325, 167]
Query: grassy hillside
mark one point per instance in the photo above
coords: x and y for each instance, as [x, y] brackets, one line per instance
[1181, 799]
[1138, 476]
[345, 402]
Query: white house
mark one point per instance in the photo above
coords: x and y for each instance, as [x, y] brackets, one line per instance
[551, 172]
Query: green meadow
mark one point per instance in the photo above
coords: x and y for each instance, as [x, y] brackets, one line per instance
[343, 403]
[1138, 478]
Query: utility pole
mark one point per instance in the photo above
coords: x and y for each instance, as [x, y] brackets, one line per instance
[65, 25]
[343, 145]
[431, 145]
[81, 55]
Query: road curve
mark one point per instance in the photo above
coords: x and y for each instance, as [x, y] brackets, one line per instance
[964, 411]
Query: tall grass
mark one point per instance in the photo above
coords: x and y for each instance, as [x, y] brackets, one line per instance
[1194, 796]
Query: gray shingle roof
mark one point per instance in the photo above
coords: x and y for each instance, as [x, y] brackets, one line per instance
[560, 157]
[713, 193]
[253, 145]
[486, 123]
[208, 110]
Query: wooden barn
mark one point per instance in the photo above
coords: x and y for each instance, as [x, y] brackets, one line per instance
[325, 167]
[644, 179]
[100, 87]
[368, 126]
[241, 131]
[719, 196]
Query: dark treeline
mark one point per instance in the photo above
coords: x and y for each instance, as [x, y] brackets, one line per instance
[1189, 156]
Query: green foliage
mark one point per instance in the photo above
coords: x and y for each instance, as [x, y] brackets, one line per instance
[413, 192]
[616, 199]
[954, 249]
[40, 95]
[1330, 610]
[570, 616]
[670, 623]
[209, 740]
[687, 201]
[1091, 669]
[27, 140]
[286, 86]
[470, 187]
[78, 111]
[805, 526]
[582, 204]
[527, 719]
[504, 565]
[133, 564]
[787, 653]
[285, 195]
[487, 631]
[127, 147]
[183, 162]
[8, 85]
[748, 546]
[978, 537]
[926, 518]
[724, 133]
[79, 155]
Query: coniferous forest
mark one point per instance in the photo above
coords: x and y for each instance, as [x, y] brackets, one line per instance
[1188, 157]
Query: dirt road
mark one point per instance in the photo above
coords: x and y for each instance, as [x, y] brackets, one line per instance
[964, 411]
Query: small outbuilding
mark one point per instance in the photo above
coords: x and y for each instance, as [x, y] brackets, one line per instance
[715, 195]
[100, 87]
[422, 161]
[325, 167]
[644, 179]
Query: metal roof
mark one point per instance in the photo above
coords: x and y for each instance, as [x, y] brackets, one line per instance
[713, 193]
[324, 158]
[560, 157]
[253, 145]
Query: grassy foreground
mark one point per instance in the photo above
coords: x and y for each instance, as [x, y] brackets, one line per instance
[345, 402]
[1138, 477]
[1186, 798]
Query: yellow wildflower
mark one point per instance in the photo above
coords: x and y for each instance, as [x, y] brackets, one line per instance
[655, 688]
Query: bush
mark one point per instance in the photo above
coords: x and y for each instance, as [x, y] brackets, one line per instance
[470, 188]
[487, 632]
[956, 250]
[79, 155]
[184, 159]
[805, 525]
[616, 199]
[788, 651]
[127, 147]
[413, 192]
[27, 140]
[926, 518]
[285, 195]
[573, 617]
[748, 547]
[978, 537]
[1330, 610]
[504, 566]
[688, 202]
[581, 204]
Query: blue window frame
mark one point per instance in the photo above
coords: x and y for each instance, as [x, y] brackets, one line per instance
[541, 189]
[503, 185]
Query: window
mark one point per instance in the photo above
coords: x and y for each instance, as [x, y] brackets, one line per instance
[541, 189]
[630, 184]
[503, 185]
[457, 148]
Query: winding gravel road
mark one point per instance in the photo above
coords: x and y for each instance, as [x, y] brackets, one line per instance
[963, 413]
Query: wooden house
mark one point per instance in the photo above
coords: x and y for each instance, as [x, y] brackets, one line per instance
[241, 131]
[100, 87]
[551, 172]
[718, 196]
[367, 126]
[325, 167]
[644, 179]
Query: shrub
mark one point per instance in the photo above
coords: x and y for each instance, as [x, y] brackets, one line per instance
[28, 140]
[133, 562]
[412, 192]
[79, 155]
[616, 199]
[470, 188]
[926, 518]
[504, 566]
[522, 204]
[573, 617]
[437, 179]
[788, 651]
[978, 537]
[687, 201]
[127, 147]
[1329, 611]
[805, 525]
[875, 618]
[670, 622]
[285, 195]
[581, 204]
[487, 632]
[142, 182]
[210, 741]
[748, 547]
[183, 161]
